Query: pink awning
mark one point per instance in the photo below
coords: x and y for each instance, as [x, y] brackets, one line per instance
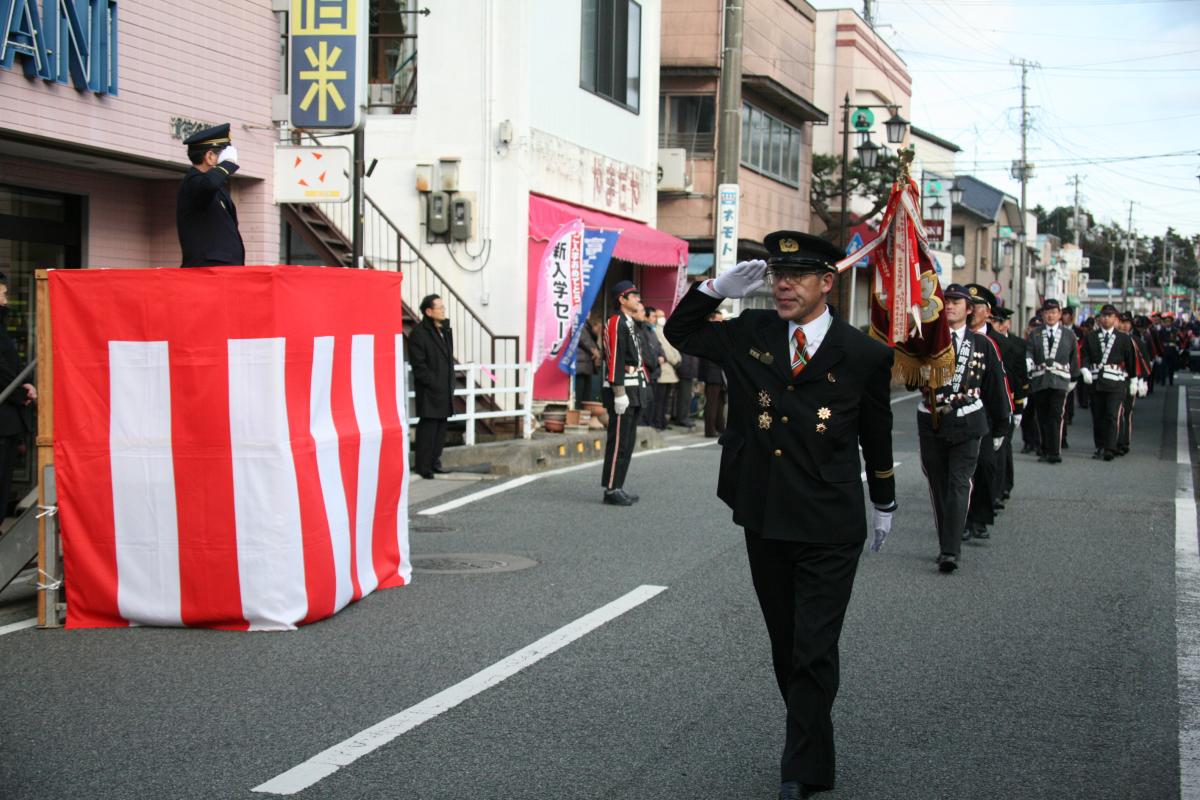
[638, 243]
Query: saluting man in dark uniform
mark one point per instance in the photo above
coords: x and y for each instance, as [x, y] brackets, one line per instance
[1110, 363]
[806, 390]
[626, 391]
[969, 413]
[1055, 354]
[204, 213]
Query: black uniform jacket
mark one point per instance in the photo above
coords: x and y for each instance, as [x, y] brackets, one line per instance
[432, 359]
[625, 362]
[207, 220]
[1121, 362]
[1012, 353]
[789, 459]
[980, 406]
[1062, 368]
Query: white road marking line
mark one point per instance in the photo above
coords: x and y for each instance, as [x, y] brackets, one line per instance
[904, 397]
[527, 479]
[18, 626]
[327, 762]
[1187, 612]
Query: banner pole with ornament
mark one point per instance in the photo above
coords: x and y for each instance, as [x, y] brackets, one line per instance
[907, 302]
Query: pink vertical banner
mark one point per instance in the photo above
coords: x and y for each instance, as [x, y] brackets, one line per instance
[559, 291]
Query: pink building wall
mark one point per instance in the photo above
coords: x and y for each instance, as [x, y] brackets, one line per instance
[175, 60]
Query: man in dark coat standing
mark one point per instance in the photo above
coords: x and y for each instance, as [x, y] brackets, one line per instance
[431, 355]
[806, 390]
[15, 420]
[982, 510]
[205, 216]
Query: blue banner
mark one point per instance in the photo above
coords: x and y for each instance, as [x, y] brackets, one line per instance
[598, 246]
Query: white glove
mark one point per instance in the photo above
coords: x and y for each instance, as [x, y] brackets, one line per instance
[230, 153]
[1087, 375]
[1133, 387]
[1029, 365]
[741, 280]
[1157, 360]
[621, 404]
[1143, 387]
[1016, 420]
[997, 442]
[881, 523]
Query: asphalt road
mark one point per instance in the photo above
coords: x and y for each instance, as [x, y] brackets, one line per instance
[1044, 668]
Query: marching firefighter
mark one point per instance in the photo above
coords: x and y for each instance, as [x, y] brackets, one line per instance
[1110, 359]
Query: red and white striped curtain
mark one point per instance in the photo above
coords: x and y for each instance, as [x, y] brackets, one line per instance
[230, 443]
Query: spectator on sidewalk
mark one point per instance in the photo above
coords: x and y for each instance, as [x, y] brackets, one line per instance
[714, 391]
[688, 369]
[655, 358]
[15, 422]
[587, 365]
[431, 355]
[668, 380]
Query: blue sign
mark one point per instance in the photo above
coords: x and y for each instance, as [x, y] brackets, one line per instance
[327, 53]
[73, 40]
[598, 246]
[854, 244]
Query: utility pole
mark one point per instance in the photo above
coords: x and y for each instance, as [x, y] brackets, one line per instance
[1022, 170]
[729, 129]
[1075, 223]
[1128, 248]
[869, 13]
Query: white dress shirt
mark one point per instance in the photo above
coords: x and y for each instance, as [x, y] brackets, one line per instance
[814, 334]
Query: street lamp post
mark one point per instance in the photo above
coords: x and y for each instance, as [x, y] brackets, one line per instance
[868, 153]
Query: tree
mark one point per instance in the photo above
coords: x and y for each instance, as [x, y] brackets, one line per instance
[825, 189]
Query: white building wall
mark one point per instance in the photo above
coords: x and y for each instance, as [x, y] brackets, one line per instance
[483, 63]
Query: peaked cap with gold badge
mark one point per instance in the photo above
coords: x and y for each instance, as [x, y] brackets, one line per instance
[792, 251]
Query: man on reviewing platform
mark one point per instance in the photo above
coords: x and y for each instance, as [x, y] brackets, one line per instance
[806, 390]
[205, 216]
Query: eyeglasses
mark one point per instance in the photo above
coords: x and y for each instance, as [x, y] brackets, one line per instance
[790, 277]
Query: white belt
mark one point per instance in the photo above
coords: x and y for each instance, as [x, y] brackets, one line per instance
[1113, 372]
[961, 411]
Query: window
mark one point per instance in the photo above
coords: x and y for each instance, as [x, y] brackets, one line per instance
[610, 60]
[392, 59]
[770, 145]
[688, 121]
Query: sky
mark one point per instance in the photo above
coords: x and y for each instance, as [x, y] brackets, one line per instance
[1116, 99]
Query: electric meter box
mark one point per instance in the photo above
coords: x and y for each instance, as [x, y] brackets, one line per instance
[437, 213]
[460, 219]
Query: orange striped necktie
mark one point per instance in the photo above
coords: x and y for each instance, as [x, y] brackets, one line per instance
[800, 359]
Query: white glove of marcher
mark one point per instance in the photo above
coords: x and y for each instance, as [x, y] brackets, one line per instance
[1029, 365]
[230, 153]
[1143, 387]
[741, 280]
[881, 524]
[997, 442]
[621, 404]
[1016, 420]
[1133, 387]
[1087, 375]
[1157, 360]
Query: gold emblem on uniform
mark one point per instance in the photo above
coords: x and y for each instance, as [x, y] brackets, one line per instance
[765, 358]
[764, 421]
[973, 291]
[824, 413]
[789, 246]
[829, 377]
[764, 398]
[821, 427]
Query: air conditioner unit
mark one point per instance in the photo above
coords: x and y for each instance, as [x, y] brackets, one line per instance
[1085, 262]
[672, 170]
[381, 94]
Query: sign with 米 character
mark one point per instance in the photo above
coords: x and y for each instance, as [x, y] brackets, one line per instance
[327, 52]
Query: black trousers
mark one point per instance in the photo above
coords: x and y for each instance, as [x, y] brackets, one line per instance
[714, 409]
[1031, 434]
[1106, 411]
[683, 401]
[1006, 453]
[662, 393]
[1083, 393]
[622, 436]
[981, 510]
[1069, 408]
[949, 468]
[431, 439]
[1125, 423]
[1049, 404]
[8, 462]
[803, 590]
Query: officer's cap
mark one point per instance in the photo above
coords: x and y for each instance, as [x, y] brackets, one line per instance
[981, 294]
[1108, 308]
[1002, 313]
[792, 251]
[1141, 321]
[216, 136]
[622, 288]
[1051, 304]
[1126, 317]
[956, 291]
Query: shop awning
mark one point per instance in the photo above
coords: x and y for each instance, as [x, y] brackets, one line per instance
[639, 243]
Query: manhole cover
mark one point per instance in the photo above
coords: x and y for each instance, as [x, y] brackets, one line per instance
[430, 527]
[470, 563]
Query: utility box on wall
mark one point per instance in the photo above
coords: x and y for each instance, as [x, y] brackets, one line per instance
[437, 213]
[460, 219]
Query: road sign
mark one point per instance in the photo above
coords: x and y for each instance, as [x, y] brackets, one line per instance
[727, 232]
[854, 244]
[995, 288]
[863, 119]
[312, 174]
[327, 47]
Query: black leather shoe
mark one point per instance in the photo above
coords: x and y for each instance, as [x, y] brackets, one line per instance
[440, 471]
[1065, 446]
[1099, 454]
[981, 532]
[1054, 459]
[1026, 450]
[791, 790]
[998, 505]
[1044, 459]
[1109, 455]
[426, 475]
[617, 497]
[1005, 495]
[947, 563]
[966, 534]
